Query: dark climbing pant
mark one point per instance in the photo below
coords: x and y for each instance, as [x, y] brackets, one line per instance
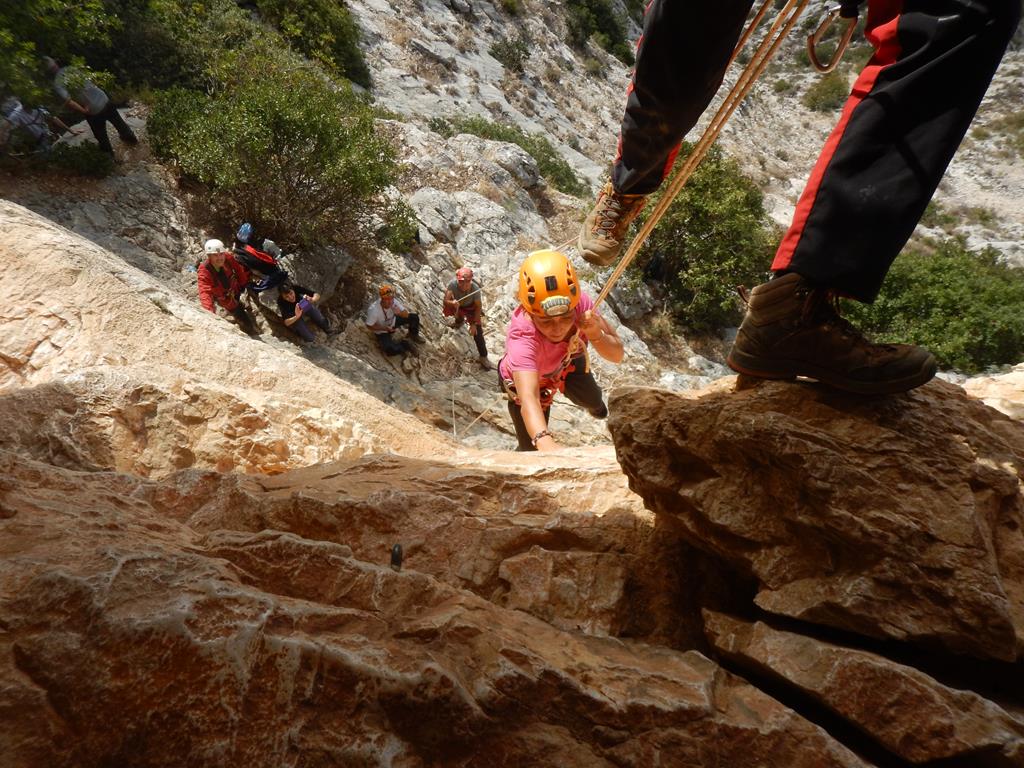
[98, 123]
[580, 388]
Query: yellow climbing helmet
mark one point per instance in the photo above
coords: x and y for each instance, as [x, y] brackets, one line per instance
[386, 290]
[548, 286]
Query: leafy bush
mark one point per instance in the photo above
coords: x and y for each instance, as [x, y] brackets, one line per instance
[511, 53]
[597, 19]
[937, 217]
[829, 93]
[556, 170]
[401, 228]
[512, 7]
[83, 160]
[1013, 127]
[322, 29]
[964, 306]
[278, 145]
[714, 236]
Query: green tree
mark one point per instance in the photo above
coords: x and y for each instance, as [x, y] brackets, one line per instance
[278, 144]
[715, 235]
[964, 306]
[597, 19]
[324, 30]
[30, 29]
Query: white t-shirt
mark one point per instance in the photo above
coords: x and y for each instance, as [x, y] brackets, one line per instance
[378, 315]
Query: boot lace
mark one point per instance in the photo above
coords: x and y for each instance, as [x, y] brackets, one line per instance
[614, 215]
[821, 307]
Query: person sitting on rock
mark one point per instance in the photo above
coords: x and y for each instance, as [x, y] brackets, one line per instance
[462, 301]
[546, 348]
[32, 124]
[259, 255]
[295, 304]
[385, 315]
[221, 281]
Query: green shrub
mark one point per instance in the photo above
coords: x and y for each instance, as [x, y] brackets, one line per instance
[964, 306]
[324, 30]
[782, 86]
[83, 160]
[1012, 126]
[597, 18]
[556, 170]
[937, 217]
[511, 53]
[715, 235]
[829, 93]
[401, 227]
[512, 7]
[441, 126]
[278, 145]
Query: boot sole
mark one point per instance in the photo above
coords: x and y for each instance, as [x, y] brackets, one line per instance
[596, 259]
[790, 369]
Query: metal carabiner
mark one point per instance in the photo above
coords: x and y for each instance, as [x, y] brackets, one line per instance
[831, 14]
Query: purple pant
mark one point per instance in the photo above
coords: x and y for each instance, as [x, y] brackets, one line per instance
[309, 310]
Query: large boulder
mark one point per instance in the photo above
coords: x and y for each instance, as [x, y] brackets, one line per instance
[909, 712]
[135, 634]
[895, 517]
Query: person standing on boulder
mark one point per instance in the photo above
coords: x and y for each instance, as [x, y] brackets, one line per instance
[462, 301]
[546, 348]
[907, 113]
[78, 92]
[221, 281]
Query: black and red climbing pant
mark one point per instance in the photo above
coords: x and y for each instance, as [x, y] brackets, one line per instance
[907, 113]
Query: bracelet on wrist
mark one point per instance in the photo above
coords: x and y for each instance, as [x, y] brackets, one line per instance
[539, 435]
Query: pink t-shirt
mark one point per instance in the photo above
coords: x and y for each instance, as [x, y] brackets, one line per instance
[526, 349]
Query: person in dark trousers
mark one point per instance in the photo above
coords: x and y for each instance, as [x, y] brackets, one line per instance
[462, 301]
[385, 315]
[81, 94]
[296, 304]
[221, 281]
[907, 113]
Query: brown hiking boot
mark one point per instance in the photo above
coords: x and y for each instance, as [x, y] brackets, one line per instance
[793, 329]
[602, 234]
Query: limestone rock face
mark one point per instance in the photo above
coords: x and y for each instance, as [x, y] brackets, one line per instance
[150, 623]
[1004, 392]
[102, 366]
[910, 713]
[896, 518]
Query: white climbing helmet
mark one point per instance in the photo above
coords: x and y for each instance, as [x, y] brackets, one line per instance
[214, 246]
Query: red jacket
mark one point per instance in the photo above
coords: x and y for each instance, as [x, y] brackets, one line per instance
[223, 286]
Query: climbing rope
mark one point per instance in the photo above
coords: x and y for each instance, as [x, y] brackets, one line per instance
[783, 23]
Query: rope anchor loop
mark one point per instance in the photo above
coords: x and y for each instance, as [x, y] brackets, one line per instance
[829, 17]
